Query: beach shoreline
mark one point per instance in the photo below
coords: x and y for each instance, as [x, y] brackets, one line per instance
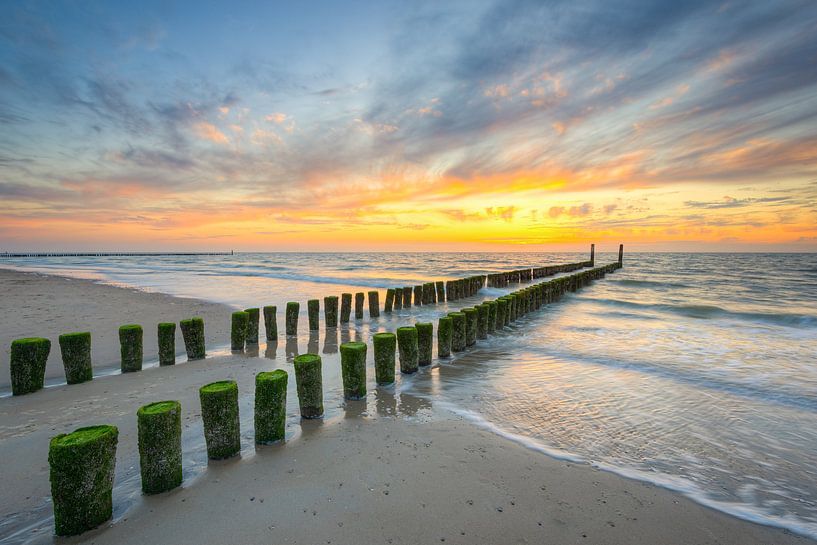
[394, 468]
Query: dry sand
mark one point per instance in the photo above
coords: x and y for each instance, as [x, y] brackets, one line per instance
[391, 469]
[38, 305]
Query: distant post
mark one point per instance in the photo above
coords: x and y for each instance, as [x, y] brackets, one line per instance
[620, 254]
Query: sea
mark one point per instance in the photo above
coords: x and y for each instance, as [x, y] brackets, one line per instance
[693, 371]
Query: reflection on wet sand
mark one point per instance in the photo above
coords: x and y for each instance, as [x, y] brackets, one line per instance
[272, 350]
[251, 351]
[330, 343]
[312, 344]
[291, 347]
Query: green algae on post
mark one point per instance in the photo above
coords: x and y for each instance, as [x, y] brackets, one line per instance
[330, 310]
[425, 342]
[238, 330]
[482, 321]
[270, 406]
[313, 309]
[82, 467]
[492, 306]
[444, 329]
[387, 308]
[219, 412]
[398, 298]
[130, 347]
[457, 331]
[345, 307]
[385, 345]
[407, 297]
[360, 298]
[407, 345]
[353, 369]
[309, 382]
[253, 320]
[76, 357]
[291, 318]
[501, 312]
[193, 335]
[271, 323]
[471, 318]
[27, 364]
[167, 343]
[160, 446]
[418, 295]
[374, 304]
[440, 291]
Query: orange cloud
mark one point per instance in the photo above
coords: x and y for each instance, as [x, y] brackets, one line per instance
[208, 131]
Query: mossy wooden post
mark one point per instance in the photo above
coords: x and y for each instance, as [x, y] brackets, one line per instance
[407, 297]
[353, 369]
[457, 331]
[425, 342]
[444, 329]
[253, 320]
[398, 298]
[428, 290]
[345, 307]
[291, 318]
[440, 291]
[309, 382]
[408, 348]
[330, 311]
[82, 467]
[592, 255]
[418, 295]
[219, 412]
[270, 406]
[130, 347]
[482, 321]
[620, 255]
[271, 323]
[76, 357]
[160, 446]
[385, 345]
[471, 318]
[193, 335]
[360, 298]
[313, 309]
[27, 364]
[491, 316]
[238, 330]
[374, 304]
[389, 304]
[166, 333]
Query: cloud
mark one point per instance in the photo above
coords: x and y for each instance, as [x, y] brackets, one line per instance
[210, 132]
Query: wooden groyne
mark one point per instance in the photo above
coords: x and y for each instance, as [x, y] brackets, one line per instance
[109, 254]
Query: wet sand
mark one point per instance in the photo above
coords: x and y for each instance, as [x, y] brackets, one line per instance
[38, 305]
[391, 469]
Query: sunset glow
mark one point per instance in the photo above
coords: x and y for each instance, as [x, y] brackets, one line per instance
[455, 125]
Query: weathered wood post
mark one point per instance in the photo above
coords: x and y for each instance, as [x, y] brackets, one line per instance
[193, 335]
[238, 330]
[407, 297]
[471, 318]
[407, 345]
[444, 329]
[27, 364]
[271, 323]
[458, 331]
[270, 406]
[385, 345]
[387, 308]
[418, 295]
[501, 312]
[482, 321]
[252, 325]
[374, 304]
[82, 467]
[620, 255]
[313, 309]
[345, 307]
[440, 291]
[166, 334]
[76, 357]
[292, 311]
[398, 298]
[353, 369]
[309, 382]
[491, 316]
[592, 255]
[159, 427]
[330, 311]
[219, 412]
[130, 348]
[360, 298]
[425, 342]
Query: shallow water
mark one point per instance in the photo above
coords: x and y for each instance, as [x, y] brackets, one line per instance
[693, 371]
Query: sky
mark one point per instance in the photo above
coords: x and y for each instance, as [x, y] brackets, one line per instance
[382, 125]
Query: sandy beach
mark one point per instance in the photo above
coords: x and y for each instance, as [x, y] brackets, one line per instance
[392, 469]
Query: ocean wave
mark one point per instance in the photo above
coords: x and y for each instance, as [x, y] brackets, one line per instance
[648, 283]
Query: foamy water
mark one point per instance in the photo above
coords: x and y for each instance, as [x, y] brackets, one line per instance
[693, 371]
